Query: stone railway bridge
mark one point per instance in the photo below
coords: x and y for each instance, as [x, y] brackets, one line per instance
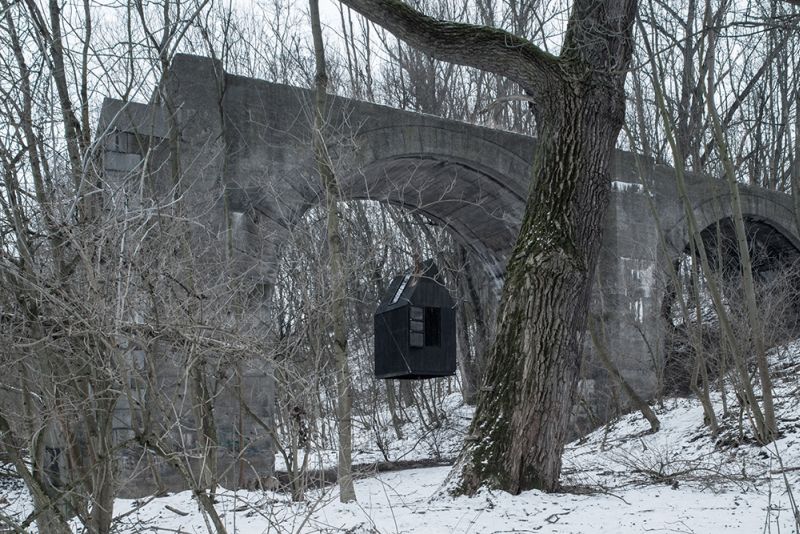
[245, 147]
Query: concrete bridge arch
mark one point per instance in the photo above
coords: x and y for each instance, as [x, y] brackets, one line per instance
[245, 147]
[248, 141]
[471, 185]
[771, 209]
[472, 180]
[633, 272]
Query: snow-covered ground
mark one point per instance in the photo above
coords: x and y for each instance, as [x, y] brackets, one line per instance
[623, 479]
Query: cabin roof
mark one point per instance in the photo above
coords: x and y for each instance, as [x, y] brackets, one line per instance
[402, 288]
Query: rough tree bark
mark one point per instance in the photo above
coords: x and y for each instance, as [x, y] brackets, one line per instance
[796, 165]
[520, 425]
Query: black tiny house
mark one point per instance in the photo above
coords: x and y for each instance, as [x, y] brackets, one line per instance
[415, 327]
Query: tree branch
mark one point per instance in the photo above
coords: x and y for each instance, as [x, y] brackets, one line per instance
[482, 47]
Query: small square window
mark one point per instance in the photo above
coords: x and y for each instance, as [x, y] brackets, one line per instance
[433, 327]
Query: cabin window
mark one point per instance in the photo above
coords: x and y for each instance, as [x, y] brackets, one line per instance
[424, 327]
[416, 327]
[433, 327]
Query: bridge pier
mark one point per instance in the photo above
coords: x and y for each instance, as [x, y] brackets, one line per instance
[626, 300]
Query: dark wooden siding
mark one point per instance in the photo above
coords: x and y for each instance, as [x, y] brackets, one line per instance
[431, 355]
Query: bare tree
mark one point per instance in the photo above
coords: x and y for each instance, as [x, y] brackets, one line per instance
[59, 297]
[520, 424]
[344, 394]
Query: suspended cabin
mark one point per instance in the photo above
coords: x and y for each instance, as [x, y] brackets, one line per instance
[415, 327]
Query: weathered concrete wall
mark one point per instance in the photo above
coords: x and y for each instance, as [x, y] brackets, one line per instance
[633, 270]
[246, 148]
[245, 452]
[136, 161]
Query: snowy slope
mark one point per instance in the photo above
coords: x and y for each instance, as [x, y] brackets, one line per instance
[624, 480]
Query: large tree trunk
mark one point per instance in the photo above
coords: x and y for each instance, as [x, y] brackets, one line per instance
[520, 424]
